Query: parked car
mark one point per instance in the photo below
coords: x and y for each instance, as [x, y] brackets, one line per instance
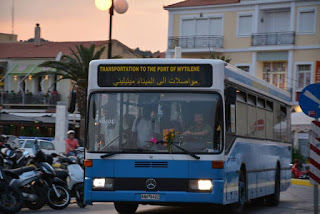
[27, 144]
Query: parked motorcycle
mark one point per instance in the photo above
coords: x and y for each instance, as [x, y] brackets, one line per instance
[297, 173]
[12, 157]
[75, 177]
[57, 193]
[30, 184]
[11, 199]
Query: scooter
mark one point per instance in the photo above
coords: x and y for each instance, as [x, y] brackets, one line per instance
[12, 157]
[11, 199]
[41, 185]
[30, 184]
[75, 177]
[57, 193]
[296, 173]
[75, 183]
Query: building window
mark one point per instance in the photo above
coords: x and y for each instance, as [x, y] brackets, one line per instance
[307, 21]
[302, 78]
[244, 25]
[303, 75]
[188, 27]
[206, 26]
[201, 27]
[244, 67]
[275, 73]
[216, 26]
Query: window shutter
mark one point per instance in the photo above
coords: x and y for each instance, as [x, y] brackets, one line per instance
[216, 26]
[201, 27]
[245, 25]
[306, 22]
[188, 27]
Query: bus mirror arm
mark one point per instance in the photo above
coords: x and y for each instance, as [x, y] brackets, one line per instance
[73, 97]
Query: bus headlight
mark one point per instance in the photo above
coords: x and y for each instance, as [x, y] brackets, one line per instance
[200, 185]
[102, 184]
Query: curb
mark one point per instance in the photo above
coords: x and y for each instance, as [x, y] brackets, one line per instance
[301, 182]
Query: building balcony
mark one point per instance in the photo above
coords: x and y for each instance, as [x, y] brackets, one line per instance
[28, 99]
[195, 42]
[280, 38]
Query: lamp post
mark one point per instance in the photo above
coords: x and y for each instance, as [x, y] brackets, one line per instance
[120, 6]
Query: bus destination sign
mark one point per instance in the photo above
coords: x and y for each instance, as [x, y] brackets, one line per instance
[198, 75]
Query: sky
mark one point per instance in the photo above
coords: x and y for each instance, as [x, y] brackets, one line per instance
[144, 25]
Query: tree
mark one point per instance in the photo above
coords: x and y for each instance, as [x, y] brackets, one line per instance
[75, 67]
[223, 58]
[296, 155]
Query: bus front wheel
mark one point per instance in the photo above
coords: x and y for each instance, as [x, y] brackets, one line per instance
[125, 208]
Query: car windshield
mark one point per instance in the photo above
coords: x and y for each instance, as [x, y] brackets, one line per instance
[46, 145]
[124, 122]
[29, 144]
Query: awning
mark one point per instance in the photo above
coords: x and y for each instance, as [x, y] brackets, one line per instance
[272, 56]
[10, 118]
[23, 70]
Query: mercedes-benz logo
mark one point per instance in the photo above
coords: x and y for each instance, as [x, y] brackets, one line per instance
[151, 183]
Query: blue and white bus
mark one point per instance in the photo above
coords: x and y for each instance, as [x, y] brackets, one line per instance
[177, 131]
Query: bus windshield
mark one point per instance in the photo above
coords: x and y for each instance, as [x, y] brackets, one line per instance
[135, 122]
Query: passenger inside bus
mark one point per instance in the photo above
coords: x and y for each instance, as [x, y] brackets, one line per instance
[110, 129]
[145, 127]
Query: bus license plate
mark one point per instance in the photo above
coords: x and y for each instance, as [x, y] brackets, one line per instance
[150, 196]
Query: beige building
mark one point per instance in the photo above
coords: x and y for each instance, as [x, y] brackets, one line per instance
[275, 40]
[24, 90]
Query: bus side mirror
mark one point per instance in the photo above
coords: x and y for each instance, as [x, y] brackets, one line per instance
[72, 102]
[230, 94]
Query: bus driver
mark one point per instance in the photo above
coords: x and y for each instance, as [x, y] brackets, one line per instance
[199, 131]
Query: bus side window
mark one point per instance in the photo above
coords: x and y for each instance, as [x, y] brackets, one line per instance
[230, 118]
[230, 113]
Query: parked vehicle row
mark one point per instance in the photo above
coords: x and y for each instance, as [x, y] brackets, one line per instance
[33, 179]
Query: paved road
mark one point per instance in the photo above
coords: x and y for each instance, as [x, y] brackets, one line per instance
[296, 200]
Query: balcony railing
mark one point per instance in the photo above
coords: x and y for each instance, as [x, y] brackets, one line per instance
[281, 38]
[29, 99]
[195, 42]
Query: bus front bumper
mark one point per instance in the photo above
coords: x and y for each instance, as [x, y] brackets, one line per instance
[155, 197]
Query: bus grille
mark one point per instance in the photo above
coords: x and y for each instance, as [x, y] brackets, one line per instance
[150, 164]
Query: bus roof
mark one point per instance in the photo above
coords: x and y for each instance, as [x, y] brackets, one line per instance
[242, 78]
[231, 73]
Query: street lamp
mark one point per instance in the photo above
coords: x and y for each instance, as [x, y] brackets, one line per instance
[120, 6]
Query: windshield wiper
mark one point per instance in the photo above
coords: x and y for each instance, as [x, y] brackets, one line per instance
[182, 149]
[109, 154]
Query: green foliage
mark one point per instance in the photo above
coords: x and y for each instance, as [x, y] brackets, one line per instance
[223, 58]
[76, 66]
[297, 155]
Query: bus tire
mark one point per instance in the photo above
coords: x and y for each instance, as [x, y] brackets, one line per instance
[239, 206]
[125, 208]
[274, 199]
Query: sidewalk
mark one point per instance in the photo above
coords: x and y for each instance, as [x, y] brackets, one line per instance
[301, 182]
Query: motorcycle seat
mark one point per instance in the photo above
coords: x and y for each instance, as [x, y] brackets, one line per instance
[62, 174]
[21, 170]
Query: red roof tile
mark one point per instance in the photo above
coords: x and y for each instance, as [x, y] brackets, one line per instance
[195, 3]
[45, 50]
[159, 55]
